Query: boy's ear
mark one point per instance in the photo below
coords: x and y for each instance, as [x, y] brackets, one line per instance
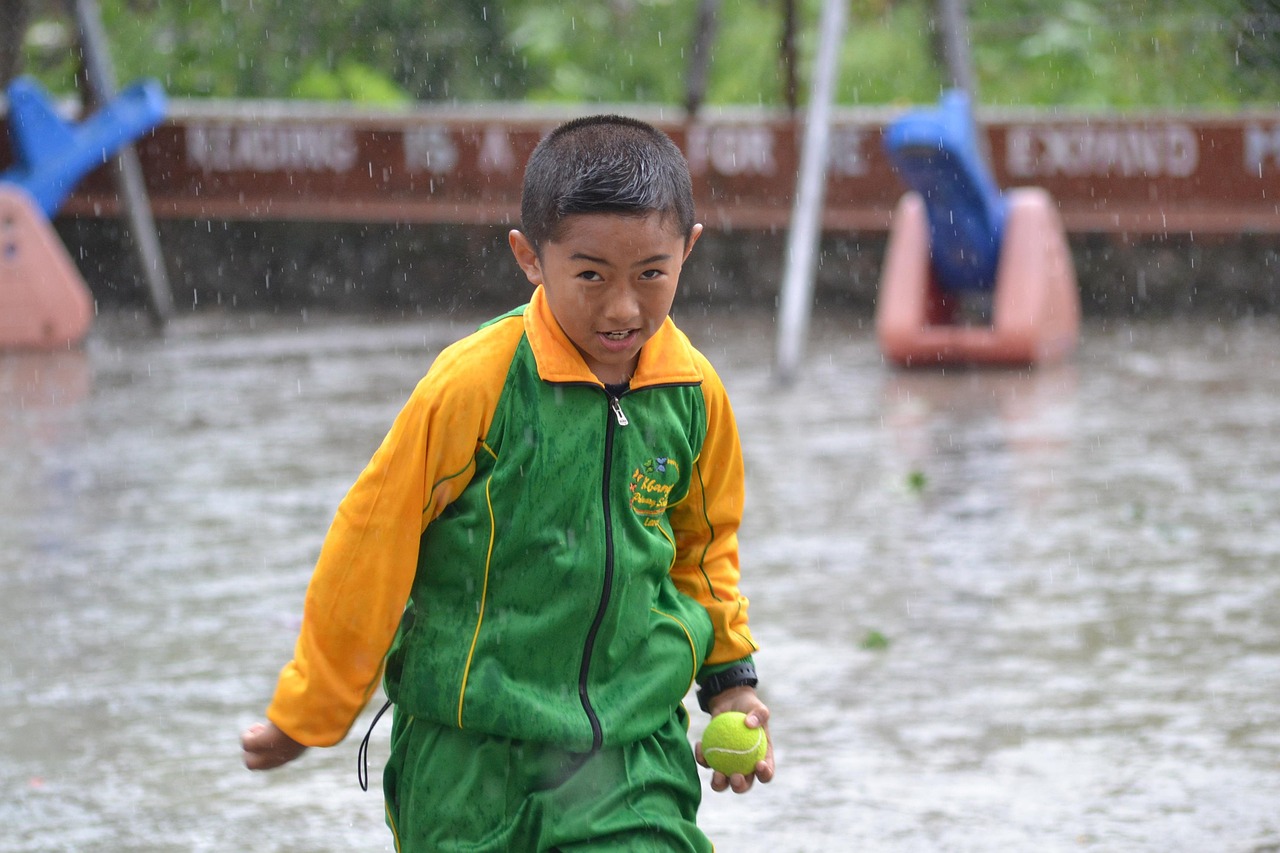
[694, 234]
[526, 257]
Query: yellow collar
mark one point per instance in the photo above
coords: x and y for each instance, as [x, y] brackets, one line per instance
[667, 357]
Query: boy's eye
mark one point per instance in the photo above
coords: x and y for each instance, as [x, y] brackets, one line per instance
[589, 275]
[649, 275]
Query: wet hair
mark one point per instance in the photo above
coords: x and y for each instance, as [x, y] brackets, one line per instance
[604, 164]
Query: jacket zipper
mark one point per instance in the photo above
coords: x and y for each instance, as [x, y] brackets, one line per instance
[616, 405]
[620, 419]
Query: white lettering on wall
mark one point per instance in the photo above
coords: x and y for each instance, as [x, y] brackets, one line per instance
[495, 151]
[1261, 145]
[731, 150]
[1084, 150]
[846, 158]
[274, 148]
[430, 149]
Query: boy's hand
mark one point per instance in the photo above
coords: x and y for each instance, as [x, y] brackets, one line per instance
[742, 699]
[265, 746]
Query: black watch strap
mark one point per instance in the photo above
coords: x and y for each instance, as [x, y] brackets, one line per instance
[738, 675]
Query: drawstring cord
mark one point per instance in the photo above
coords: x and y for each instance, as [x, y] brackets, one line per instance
[362, 757]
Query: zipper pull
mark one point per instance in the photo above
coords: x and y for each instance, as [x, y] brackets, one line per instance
[616, 405]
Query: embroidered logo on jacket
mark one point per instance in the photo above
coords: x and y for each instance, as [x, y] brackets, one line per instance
[651, 485]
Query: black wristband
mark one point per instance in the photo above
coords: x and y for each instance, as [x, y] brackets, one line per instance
[740, 675]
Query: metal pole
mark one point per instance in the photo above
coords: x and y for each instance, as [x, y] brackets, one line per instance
[955, 46]
[958, 54]
[101, 81]
[806, 214]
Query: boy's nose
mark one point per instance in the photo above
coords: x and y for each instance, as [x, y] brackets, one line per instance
[622, 306]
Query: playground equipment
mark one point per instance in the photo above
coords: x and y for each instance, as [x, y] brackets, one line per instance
[796, 298]
[44, 302]
[956, 240]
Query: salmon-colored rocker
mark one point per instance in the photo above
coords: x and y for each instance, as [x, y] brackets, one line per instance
[957, 242]
[44, 303]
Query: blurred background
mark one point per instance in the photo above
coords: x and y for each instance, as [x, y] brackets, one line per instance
[375, 137]
[1015, 608]
[1156, 53]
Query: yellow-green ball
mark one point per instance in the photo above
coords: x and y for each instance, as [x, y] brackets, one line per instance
[730, 747]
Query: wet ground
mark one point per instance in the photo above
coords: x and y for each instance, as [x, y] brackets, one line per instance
[1000, 610]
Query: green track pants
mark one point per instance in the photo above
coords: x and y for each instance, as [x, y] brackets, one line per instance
[452, 790]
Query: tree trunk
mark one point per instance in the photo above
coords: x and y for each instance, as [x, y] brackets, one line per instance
[791, 78]
[14, 16]
[704, 36]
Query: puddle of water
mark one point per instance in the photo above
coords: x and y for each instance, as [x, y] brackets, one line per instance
[1073, 569]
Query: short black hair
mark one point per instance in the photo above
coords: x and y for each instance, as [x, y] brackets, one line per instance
[604, 164]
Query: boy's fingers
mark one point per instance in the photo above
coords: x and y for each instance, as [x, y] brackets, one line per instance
[258, 758]
[252, 748]
[256, 739]
[265, 747]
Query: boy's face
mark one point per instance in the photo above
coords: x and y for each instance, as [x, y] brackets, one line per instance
[609, 280]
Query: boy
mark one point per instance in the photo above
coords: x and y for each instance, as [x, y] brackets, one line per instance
[543, 551]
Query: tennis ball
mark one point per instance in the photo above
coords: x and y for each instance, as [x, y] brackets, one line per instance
[730, 747]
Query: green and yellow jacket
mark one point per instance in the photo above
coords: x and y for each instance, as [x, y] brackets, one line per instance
[530, 556]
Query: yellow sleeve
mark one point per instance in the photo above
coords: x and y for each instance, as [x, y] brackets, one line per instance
[369, 557]
[706, 527]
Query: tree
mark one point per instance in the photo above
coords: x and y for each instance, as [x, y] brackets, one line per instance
[1256, 40]
[1079, 52]
[13, 31]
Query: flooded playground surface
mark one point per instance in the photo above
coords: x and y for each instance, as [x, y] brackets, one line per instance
[1000, 610]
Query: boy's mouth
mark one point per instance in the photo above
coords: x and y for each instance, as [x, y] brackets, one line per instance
[617, 340]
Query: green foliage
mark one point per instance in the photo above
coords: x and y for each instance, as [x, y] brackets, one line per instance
[1176, 53]
[1257, 44]
[630, 51]
[349, 81]
[746, 59]
[1110, 55]
[888, 59]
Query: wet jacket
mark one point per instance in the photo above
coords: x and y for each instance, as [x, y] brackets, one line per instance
[532, 557]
